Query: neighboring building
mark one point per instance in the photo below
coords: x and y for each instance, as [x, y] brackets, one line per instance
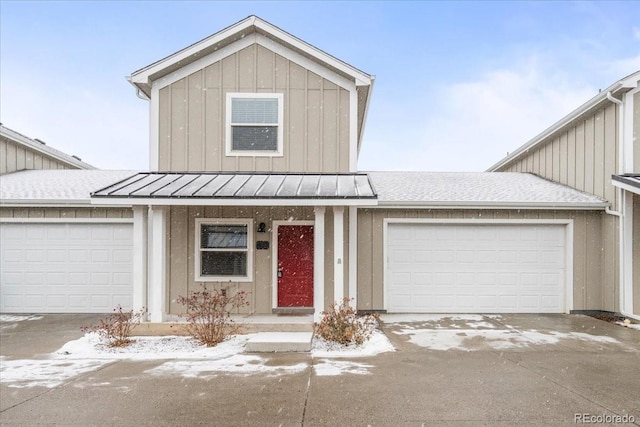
[253, 185]
[18, 152]
[593, 149]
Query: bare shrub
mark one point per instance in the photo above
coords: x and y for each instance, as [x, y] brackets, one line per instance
[341, 324]
[208, 314]
[116, 328]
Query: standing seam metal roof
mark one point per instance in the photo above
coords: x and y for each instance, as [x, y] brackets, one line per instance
[241, 186]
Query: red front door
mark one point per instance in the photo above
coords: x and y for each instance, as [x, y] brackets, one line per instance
[295, 266]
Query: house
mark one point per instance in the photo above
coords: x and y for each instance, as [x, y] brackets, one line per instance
[253, 185]
[595, 149]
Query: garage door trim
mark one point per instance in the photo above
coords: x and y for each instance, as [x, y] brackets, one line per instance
[568, 223]
[66, 220]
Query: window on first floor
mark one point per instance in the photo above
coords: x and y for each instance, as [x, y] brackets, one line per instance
[254, 124]
[223, 250]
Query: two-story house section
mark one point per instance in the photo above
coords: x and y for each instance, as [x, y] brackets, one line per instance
[596, 149]
[253, 150]
[253, 185]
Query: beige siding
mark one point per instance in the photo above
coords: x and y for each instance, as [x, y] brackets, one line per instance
[582, 155]
[192, 116]
[16, 157]
[592, 266]
[181, 252]
[66, 213]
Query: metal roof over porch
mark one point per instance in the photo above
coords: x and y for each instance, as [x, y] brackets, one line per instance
[173, 188]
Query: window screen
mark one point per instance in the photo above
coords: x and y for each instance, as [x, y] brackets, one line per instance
[254, 124]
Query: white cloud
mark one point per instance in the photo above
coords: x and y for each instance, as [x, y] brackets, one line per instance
[470, 125]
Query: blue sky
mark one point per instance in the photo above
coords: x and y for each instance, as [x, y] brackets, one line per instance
[458, 84]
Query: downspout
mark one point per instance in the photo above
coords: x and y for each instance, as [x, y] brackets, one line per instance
[621, 209]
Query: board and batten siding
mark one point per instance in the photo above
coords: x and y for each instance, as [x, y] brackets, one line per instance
[192, 112]
[71, 213]
[583, 155]
[636, 132]
[15, 157]
[181, 235]
[592, 289]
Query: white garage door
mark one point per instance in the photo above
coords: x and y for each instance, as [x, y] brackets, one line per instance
[456, 268]
[65, 268]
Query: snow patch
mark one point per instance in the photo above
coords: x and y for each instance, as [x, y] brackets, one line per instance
[377, 343]
[45, 373]
[92, 346]
[237, 364]
[339, 367]
[473, 339]
[630, 325]
[15, 318]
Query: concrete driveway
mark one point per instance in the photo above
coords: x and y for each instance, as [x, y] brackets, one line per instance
[446, 370]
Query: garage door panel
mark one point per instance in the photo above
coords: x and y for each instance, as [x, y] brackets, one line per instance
[81, 268]
[476, 268]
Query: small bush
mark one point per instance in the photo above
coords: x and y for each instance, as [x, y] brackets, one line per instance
[116, 328]
[341, 324]
[208, 314]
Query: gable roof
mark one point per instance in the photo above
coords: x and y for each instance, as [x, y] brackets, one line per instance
[478, 189]
[143, 77]
[55, 186]
[603, 97]
[40, 147]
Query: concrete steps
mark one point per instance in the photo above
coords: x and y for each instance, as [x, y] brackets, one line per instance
[277, 342]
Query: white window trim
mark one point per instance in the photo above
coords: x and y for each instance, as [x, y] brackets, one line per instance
[257, 153]
[224, 221]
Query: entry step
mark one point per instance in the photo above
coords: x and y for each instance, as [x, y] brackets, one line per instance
[278, 342]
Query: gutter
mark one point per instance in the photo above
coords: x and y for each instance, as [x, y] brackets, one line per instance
[490, 205]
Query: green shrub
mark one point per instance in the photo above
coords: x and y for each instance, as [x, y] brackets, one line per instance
[208, 314]
[341, 324]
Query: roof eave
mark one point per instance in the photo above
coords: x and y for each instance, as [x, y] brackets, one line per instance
[627, 83]
[207, 201]
[492, 205]
[142, 78]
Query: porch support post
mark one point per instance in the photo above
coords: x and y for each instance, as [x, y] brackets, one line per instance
[140, 233]
[318, 263]
[353, 256]
[338, 254]
[157, 267]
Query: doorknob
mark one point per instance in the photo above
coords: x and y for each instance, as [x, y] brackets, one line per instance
[279, 273]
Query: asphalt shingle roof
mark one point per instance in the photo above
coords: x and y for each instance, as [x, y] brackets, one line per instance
[475, 188]
[56, 185]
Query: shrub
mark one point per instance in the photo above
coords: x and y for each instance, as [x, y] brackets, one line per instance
[116, 328]
[341, 324]
[208, 314]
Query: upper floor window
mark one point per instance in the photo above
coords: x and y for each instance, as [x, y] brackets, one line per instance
[254, 124]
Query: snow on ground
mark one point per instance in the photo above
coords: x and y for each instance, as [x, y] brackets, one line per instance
[45, 373]
[378, 343]
[179, 356]
[17, 318]
[628, 324]
[471, 332]
[244, 364]
[329, 367]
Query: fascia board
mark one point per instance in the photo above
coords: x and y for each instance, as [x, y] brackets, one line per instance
[126, 201]
[493, 205]
[584, 108]
[626, 187]
[142, 76]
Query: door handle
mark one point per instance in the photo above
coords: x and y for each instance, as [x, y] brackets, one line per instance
[279, 273]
